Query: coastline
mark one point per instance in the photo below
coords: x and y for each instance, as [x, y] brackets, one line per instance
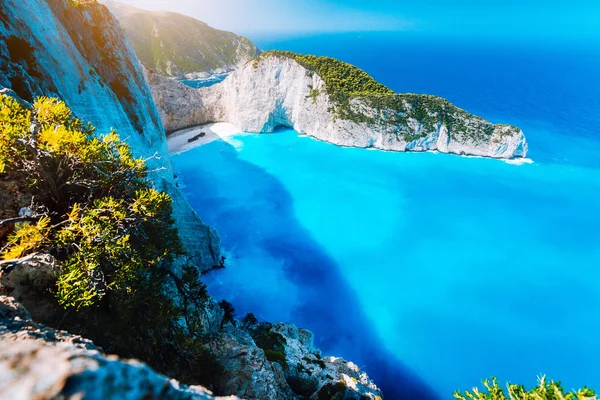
[178, 141]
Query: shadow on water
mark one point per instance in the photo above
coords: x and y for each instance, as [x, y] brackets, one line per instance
[263, 216]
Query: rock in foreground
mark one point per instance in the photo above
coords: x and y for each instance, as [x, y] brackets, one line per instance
[334, 102]
[37, 362]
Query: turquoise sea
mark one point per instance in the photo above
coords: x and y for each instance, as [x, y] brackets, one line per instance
[429, 271]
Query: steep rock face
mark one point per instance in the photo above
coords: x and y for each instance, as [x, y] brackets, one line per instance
[37, 362]
[179, 106]
[179, 46]
[80, 54]
[276, 90]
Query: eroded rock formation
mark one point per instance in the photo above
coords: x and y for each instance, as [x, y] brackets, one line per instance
[280, 89]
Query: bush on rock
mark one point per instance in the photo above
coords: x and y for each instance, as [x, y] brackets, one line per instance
[112, 235]
[93, 209]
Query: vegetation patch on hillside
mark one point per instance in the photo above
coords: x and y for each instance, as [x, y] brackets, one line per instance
[350, 89]
[344, 81]
[172, 44]
[272, 343]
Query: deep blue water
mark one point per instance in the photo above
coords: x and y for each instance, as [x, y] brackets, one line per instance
[429, 271]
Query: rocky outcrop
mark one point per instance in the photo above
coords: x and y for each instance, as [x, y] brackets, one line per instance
[258, 360]
[307, 373]
[81, 55]
[279, 361]
[180, 46]
[37, 362]
[278, 89]
[29, 281]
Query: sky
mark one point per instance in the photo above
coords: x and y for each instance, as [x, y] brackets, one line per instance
[489, 18]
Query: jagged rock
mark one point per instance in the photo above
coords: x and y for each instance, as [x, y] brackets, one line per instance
[248, 373]
[10, 309]
[16, 325]
[29, 282]
[37, 362]
[81, 55]
[276, 90]
[307, 373]
[179, 106]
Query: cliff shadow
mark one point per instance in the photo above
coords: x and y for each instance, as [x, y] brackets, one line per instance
[298, 281]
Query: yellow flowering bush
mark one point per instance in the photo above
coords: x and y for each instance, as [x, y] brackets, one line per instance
[97, 213]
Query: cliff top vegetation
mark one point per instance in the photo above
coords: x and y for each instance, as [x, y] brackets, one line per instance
[341, 78]
[345, 83]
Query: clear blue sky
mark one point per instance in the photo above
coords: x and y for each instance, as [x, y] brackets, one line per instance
[566, 19]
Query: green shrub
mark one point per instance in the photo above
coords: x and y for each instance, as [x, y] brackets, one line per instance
[266, 339]
[229, 311]
[318, 361]
[96, 212]
[113, 237]
[543, 391]
[81, 3]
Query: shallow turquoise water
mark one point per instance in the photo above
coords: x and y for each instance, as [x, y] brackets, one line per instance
[461, 268]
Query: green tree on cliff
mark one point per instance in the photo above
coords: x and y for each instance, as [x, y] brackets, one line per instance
[94, 209]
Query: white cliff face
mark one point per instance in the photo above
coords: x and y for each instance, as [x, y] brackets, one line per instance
[80, 55]
[37, 362]
[278, 91]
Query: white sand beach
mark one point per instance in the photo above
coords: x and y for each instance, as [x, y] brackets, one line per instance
[178, 141]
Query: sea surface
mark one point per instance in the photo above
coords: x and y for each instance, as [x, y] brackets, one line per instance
[429, 271]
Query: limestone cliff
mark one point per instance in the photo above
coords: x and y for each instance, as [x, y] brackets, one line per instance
[180, 46]
[335, 102]
[80, 54]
